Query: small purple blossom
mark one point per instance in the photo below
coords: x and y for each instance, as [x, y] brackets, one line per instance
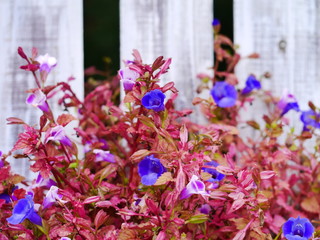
[104, 156]
[5, 197]
[52, 196]
[205, 209]
[224, 94]
[288, 102]
[41, 182]
[65, 238]
[251, 84]
[150, 169]
[58, 134]
[154, 100]
[24, 209]
[215, 22]
[195, 186]
[128, 77]
[216, 176]
[297, 229]
[46, 62]
[38, 99]
[310, 119]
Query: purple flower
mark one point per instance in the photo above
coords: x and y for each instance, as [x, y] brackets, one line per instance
[58, 134]
[104, 156]
[150, 169]
[251, 84]
[46, 62]
[195, 186]
[205, 209]
[5, 197]
[52, 196]
[310, 119]
[154, 100]
[288, 102]
[215, 22]
[65, 238]
[216, 176]
[128, 77]
[24, 209]
[224, 94]
[38, 99]
[41, 182]
[297, 229]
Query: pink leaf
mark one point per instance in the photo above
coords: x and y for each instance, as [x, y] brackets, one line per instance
[242, 233]
[237, 204]
[267, 174]
[184, 134]
[91, 199]
[225, 170]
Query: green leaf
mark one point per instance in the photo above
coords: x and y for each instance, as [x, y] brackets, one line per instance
[73, 165]
[200, 218]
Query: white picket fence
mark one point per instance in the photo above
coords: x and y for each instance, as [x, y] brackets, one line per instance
[54, 27]
[285, 33]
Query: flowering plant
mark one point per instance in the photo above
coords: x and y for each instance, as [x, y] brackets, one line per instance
[149, 172]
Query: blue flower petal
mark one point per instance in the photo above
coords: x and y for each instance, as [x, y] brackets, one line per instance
[251, 84]
[224, 94]
[294, 237]
[149, 179]
[216, 176]
[22, 210]
[150, 169]
[35, 218]
[5, 197]
[154, 100]
[289, 106]
[297, 229]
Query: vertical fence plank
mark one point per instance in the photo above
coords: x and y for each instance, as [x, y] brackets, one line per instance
[286, 35]
[54, 27]
[180, 29]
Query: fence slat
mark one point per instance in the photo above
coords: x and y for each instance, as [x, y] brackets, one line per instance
[180, 29]
[54, 27]
[286, 35]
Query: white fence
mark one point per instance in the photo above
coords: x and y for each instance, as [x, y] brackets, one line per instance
[54, 27]
[285, 33]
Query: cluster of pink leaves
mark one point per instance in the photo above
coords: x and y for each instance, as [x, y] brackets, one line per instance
[265, 182]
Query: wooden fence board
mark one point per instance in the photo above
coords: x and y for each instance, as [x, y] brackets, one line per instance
[54, 27]
[180, 29]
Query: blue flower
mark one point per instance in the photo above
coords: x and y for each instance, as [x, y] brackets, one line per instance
[216, 176]
[154, 100]
[24, 209]
[251, 84]
[5, 197]
[150, 169]
[215, 22]
[288, 102]
[310, 119]
[297, 229]
[224, 94]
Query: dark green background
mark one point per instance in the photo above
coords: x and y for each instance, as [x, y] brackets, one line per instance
[101, 30]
